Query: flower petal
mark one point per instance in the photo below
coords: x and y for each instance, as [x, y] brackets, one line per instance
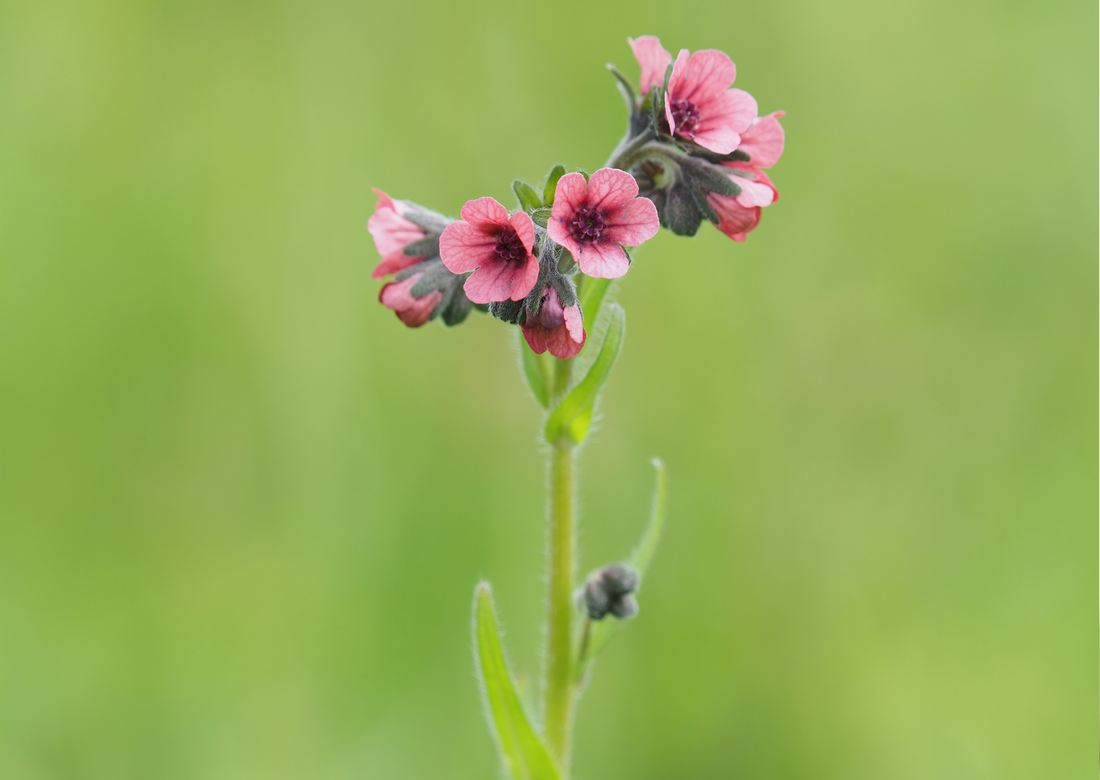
[483, 212]
[603, 260]
[675, 80]
[734, 219]
[633, 224]
[500, 281]
[653, 60]
[709, 72]
[725, 117]
[414, 312]
[392, 233]
[756, 188]
[763, 140]
[463, 247]
[525, 229]
[610, 189]
[571, 194]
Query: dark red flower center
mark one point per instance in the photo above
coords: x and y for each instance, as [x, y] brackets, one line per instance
[685, 114]
[509, 248]
[586, 224]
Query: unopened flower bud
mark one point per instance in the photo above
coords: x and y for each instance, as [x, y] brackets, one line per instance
[609, 591]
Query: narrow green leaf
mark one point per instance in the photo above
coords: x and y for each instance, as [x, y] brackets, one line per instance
[551, 187]
[521, 748]
[528, 198]
[600, 632]
[536, 371]
[592, 294]
[573, 417]
[626, 89]
[643, 553]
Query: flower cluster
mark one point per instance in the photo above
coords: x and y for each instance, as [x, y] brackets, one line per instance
[695, 149]
[696, 145]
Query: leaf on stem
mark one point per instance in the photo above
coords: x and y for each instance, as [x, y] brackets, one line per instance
[592, 294]
[573, 417]
[528, 199]
[536, 371]
[551, 188]
[599, 632]
[521, 748]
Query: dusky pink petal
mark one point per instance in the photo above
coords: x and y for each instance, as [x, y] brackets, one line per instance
[500, 280]
[603, 260]
[754, 193]
[734, 219]
[392, 233]
[675, 80]
[485, 211]
[574, 323]
[652, 59]
[463, 247]
[634, 223]
[610, 188]
[562, 344]
[723, 119]
[756, 188]
[763, 140]
[536, 337]
[525, 229]
[571, 194]
[708, 72]
[397, 261]
[414, 312]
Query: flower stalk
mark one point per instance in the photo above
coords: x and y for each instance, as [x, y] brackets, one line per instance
[560, 693]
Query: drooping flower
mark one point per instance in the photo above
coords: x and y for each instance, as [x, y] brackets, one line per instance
[555, 327]
[739, 214]
[699, 104]
[407, 237]
[652, 59]
[595, 219]
[496, 247]
[762, 143]
[412, 311]
[403, 233]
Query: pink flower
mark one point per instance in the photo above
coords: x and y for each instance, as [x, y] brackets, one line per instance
[392, 231]
[557, 328]
[595, 219]
[414, 312]
[763, 141]
[652, 59]
[497, 246]
[739, 214]
[700, 106]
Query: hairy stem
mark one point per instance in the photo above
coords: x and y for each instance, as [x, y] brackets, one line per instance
[560, 692]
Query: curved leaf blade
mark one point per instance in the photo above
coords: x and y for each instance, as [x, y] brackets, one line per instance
[550, 189]
[521, 748]
[573, 417]
[600, 632]
[528, 198]
[536, 371]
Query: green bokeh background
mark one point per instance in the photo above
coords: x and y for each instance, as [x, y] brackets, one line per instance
[243, 509]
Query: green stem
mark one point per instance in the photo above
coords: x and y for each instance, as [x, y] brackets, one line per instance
[560, 692]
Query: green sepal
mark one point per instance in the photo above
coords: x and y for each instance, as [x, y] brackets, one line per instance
[540, 216]
[551, 187]
[573, 417]
[522, 750]
[536, 370]
[626, 89]
[602, 631]
[424, 247]
[528, 198]
[592, 292]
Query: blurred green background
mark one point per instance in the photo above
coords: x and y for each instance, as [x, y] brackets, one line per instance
[243, 509]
